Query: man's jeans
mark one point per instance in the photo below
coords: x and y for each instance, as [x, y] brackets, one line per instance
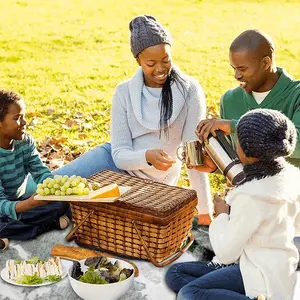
[207, 281]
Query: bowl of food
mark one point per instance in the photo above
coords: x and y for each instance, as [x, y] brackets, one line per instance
[111, 278]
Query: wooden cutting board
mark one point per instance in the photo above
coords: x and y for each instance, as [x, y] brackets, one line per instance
[76, 253]
[83, 198]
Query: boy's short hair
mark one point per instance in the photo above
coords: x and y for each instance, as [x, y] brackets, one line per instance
[7, 98]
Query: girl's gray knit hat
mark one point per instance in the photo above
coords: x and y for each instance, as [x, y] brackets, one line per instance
[146, 32]
[266, 134]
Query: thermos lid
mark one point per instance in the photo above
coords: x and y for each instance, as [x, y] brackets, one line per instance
[223, 141]
[238, 179]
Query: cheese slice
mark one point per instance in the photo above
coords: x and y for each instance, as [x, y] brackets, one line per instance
[108, 191]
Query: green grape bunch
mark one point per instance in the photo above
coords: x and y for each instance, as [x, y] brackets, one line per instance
[63, 186]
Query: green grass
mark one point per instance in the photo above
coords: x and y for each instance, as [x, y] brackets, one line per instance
[69, 55]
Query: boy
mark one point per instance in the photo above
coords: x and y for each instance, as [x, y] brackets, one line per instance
[22, 217]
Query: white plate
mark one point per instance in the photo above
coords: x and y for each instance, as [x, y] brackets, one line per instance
[84, 198]
[4, 276]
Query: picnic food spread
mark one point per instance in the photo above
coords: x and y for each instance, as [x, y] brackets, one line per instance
[100, 271]
[34, 270]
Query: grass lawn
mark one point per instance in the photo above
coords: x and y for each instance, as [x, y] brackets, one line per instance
[66, 56]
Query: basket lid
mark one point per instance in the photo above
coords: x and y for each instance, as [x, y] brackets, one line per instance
[146, 196]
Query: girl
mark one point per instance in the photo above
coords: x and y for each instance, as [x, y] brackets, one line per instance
[152, 114]
[254, 242]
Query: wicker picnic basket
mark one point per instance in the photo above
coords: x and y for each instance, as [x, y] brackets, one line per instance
[151, 221]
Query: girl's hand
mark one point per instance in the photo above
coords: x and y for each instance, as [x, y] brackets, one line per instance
[220, 206]
[159, 159]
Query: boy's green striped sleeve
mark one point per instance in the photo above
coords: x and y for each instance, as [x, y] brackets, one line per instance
[7, 207]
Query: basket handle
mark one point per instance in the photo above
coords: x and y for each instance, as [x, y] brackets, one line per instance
[71, 234]
[170, 258]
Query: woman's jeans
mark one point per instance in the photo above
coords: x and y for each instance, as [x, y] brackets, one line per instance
[91, 162]
[207, 281]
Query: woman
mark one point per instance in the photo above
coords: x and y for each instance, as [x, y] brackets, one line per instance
[152, 114]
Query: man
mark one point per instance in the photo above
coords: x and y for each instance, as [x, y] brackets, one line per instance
[262, 85]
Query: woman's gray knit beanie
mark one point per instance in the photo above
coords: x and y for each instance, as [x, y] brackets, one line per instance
[146, 32]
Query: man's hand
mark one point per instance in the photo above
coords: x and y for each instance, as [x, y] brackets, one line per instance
[220, 206]
[205, 127]
[159, 159]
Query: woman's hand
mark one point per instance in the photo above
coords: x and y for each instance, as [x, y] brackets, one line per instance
[205, 127]
[207, 166]
[159, 159]
[220, 206]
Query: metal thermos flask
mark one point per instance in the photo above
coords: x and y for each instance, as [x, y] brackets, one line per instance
[226, 159]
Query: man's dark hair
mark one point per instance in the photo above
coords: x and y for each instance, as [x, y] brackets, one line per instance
[254, 40]
[7, 98]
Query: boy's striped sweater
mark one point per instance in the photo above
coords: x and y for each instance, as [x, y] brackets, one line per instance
[15, 165]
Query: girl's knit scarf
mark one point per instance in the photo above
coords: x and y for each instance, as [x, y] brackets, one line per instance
[262, 169]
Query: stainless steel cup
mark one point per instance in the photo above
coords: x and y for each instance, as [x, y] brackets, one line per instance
[192, 150]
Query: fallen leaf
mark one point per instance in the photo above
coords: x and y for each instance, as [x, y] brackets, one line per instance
[59, 140]
[33, 114]
[83, 136]
[56, 155]
[56, 147]
[56, 163]
[33, 122]
[46, 142]
[70, 123]
[78, 115]
[79, 143]
[50, 111]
